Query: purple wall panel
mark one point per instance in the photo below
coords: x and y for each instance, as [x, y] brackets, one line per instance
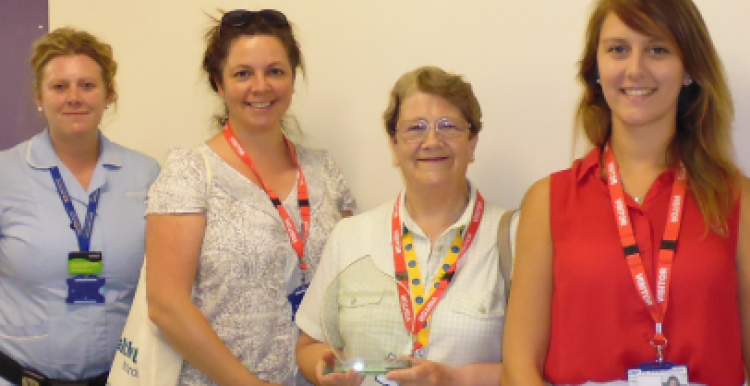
[20, 22]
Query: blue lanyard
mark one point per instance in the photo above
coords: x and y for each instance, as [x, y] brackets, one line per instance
[82, 233]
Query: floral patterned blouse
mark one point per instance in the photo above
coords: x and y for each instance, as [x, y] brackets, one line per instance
[247, 265]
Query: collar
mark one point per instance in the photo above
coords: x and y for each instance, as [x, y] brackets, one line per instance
[40, 153]
[591, 166]
[462, 221]
[591, 163]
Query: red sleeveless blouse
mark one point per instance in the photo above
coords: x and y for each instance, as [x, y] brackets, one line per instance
[600, 326]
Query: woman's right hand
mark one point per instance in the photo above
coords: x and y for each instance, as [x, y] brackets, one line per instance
[350, 378]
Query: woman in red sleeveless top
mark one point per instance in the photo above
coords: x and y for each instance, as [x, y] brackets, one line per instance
[641, 250]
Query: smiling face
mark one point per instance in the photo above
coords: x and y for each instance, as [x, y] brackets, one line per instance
[257, 83]
[73, 96]
[433, 161]
[641, 76]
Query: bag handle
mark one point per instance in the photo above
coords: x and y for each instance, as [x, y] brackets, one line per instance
[504, 246]
[209, 174]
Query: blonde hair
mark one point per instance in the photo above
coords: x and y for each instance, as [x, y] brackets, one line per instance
[704, 110]
[69, 41]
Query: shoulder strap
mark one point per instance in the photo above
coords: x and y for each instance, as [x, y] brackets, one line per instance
[505, 249]
[209, 175]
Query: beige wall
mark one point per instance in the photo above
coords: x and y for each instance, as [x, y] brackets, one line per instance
[519, 55]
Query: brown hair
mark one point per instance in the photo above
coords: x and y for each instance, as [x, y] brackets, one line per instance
[69, 41]
[435, 81]
[704, 110]
[219, 40]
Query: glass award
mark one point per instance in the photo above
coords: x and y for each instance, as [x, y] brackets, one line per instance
[362, 321]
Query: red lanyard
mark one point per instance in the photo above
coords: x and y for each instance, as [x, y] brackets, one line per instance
[302, 199]
[402, 276]
[657, 307]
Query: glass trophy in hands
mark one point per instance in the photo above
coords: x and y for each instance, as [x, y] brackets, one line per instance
[362, 321]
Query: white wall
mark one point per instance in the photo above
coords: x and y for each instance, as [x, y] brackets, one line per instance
[520, 57]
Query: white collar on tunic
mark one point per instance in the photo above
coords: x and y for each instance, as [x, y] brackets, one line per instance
[463, 221]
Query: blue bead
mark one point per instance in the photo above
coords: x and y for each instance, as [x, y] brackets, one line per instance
[406, 230]
[437, 285]
[415, 281]
[446, 266]
[419, 300]
[455, 249]
[408, 247]
[412, 264]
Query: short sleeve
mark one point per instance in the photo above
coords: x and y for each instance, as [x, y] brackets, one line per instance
[308, 317]
[181, 185]
[345, 199]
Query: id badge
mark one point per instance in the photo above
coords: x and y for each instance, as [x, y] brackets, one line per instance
[295, 298]
[85, 290]
[658, 374]
[85, 263]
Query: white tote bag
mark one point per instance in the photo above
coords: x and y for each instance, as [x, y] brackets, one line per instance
[143, 357]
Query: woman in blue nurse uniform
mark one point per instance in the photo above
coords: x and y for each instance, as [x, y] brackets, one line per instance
[71, 223]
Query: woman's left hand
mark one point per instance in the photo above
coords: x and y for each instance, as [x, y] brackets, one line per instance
[423, 372]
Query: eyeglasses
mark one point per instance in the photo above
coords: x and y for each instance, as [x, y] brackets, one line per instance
[241, 18]
[445, 128]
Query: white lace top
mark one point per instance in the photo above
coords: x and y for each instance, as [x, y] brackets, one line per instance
[247, 264]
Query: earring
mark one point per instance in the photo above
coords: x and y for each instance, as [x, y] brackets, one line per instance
[598, 81]
[39, 109]
[689, 81]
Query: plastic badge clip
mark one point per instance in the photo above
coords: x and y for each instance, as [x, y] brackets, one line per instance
[659, 348]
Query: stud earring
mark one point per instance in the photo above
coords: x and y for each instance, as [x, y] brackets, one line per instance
[39, 108]
[598, 81]
[689, 81]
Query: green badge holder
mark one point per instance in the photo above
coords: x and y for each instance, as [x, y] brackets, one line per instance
[85, 263]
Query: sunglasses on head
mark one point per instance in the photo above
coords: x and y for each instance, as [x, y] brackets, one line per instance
[242, 18]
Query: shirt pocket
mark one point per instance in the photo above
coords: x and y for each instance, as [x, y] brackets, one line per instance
[24, 331]
[360, 298]
[480, 306]
[26, 342]
[369, 324]
[473, 320]
[355, 307]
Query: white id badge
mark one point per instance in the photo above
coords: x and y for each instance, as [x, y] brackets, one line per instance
[658, 374]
